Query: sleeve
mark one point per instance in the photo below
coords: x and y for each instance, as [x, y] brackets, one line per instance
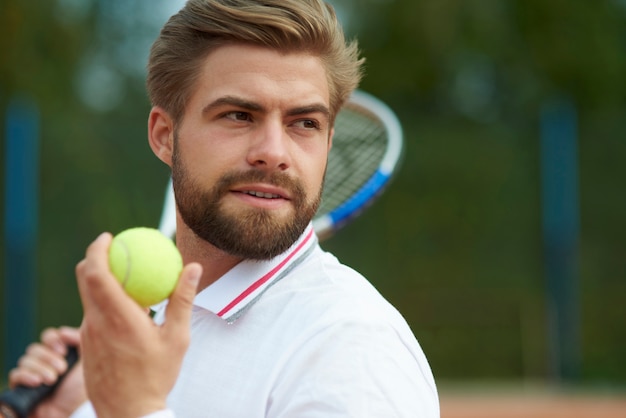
[86, 411]
[165, 413]
[355, 368]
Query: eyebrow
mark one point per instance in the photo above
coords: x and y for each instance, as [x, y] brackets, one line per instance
[232, 101]
[256, 107]
[314, 108]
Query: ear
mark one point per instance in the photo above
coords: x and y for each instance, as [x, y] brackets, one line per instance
[161, 134]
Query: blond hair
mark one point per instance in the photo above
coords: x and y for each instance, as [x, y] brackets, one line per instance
[286, 26]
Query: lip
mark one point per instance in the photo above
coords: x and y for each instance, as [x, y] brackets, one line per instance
[266, 189]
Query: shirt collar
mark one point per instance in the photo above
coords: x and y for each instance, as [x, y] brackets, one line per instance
[236, 291]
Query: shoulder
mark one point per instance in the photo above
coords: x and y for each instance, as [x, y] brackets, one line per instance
[341, 347]
[322, 284]
[352, 353]
[336, 310]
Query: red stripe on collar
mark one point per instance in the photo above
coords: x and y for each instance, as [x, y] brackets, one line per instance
[254, 286]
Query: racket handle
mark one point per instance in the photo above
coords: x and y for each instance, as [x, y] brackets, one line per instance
[21, 400]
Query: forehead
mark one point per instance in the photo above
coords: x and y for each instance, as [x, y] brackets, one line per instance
[261, 74]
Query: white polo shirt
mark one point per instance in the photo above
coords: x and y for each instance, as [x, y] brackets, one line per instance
[300, 335]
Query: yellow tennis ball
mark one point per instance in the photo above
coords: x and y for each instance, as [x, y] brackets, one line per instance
[146, 263]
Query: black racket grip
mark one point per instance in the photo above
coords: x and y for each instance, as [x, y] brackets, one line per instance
[21, 400]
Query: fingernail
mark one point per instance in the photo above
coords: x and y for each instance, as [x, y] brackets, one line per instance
[101, 236]
[195, 274]
[59, 348]
[49, 376]
[59, 365]
[33, 380]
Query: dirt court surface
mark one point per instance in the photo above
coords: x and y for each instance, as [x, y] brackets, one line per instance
[531, 404]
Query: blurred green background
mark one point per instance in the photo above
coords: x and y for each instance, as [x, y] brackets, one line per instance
[455, 243]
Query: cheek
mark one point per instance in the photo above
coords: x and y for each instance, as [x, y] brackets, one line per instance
[203, 154]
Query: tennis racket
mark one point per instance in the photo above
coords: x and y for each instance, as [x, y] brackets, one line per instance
[366, 152]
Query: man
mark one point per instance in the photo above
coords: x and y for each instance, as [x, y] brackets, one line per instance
[263, 323]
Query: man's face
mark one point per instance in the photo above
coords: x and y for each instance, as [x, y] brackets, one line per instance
[251, 150]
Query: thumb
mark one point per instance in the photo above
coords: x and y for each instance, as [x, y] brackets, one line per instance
[178, 311]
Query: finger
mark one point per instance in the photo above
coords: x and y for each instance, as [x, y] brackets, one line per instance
[89, 270]
[59, 340]
[47, 369]
[98, 288]
[98, 251]
[178, 311]
[42, 356]
[51, 337]
[70, 336]
[22, 377]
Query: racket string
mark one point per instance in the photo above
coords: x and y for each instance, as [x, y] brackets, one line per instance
[354, 158]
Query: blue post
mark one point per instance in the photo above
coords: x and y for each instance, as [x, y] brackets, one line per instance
[20, 228]
[560, 207]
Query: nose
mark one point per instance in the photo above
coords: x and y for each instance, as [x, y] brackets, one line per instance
[269, 148]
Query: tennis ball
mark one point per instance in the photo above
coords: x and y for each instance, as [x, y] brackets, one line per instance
[146, 263]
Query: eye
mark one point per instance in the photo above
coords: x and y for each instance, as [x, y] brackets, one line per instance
[307, 124]
[238, 116]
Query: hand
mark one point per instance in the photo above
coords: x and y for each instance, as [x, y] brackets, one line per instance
[42, 363]
[130, 363]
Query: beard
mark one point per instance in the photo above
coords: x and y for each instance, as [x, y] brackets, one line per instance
[250, 233]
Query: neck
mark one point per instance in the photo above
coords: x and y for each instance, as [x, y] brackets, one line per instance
[215, 262]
